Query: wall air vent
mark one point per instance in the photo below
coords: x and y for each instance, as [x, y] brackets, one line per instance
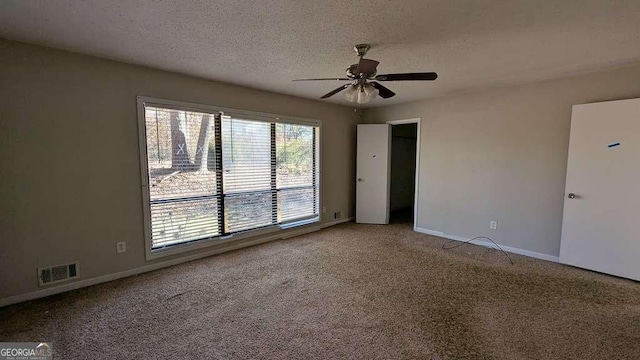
[59, 273]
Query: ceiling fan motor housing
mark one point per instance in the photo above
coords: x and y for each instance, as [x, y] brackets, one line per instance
[352, 73]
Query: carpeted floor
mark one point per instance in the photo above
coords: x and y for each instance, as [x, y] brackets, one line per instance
[350, 291]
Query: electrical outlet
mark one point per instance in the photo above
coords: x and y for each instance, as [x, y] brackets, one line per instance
[121, 247]
[324, 209]
[337, 215]
[493, 225]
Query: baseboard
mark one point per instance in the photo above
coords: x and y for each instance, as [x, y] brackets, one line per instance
[489, 244]
[10, 300]
[336, 222]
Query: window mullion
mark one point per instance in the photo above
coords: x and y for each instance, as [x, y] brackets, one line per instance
[219, 171]
[274, 191]
[314, 171]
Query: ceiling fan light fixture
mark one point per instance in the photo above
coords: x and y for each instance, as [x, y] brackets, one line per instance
[363, 98]
[371, 91]
[352, 93]
[366, 93]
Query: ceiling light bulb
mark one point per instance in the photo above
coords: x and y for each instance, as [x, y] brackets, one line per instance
[351, 93]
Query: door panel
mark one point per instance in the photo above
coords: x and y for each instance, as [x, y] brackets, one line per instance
[373, 170]
[602, 199]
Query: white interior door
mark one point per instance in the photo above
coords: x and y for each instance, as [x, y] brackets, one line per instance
[600, 228]
[373, 174]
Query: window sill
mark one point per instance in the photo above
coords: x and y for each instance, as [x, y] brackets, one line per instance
[299, 223]
[266, 234]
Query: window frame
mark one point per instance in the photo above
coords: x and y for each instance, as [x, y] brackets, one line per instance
[150, 252]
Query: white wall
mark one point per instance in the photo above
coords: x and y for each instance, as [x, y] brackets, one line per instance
[501, 155]
[70, 172]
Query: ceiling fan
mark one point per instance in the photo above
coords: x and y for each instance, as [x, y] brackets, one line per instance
[362, 77]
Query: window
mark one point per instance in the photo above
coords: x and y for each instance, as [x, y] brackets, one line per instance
[213, 174]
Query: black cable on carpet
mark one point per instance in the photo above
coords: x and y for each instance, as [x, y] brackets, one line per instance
[445, 247]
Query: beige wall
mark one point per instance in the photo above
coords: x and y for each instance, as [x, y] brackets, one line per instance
[70, 172]
[501, 155]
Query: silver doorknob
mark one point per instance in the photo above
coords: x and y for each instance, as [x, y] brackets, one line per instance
[360, 179]
[571, 196]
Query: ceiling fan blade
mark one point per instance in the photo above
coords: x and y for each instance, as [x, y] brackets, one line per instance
[407, 76]
[335, 91]
[383, 92]
[367, 66]
[334, 79]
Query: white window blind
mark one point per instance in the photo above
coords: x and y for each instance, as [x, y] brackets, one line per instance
[246, 158]
[295, 171]
[213, 175]
[183, 191]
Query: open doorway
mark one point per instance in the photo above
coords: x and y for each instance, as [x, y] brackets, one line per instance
[404, 154]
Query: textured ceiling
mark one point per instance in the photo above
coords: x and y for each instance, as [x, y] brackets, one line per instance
[472, 44]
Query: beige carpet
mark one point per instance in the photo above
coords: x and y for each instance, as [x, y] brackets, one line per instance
[350, 291]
